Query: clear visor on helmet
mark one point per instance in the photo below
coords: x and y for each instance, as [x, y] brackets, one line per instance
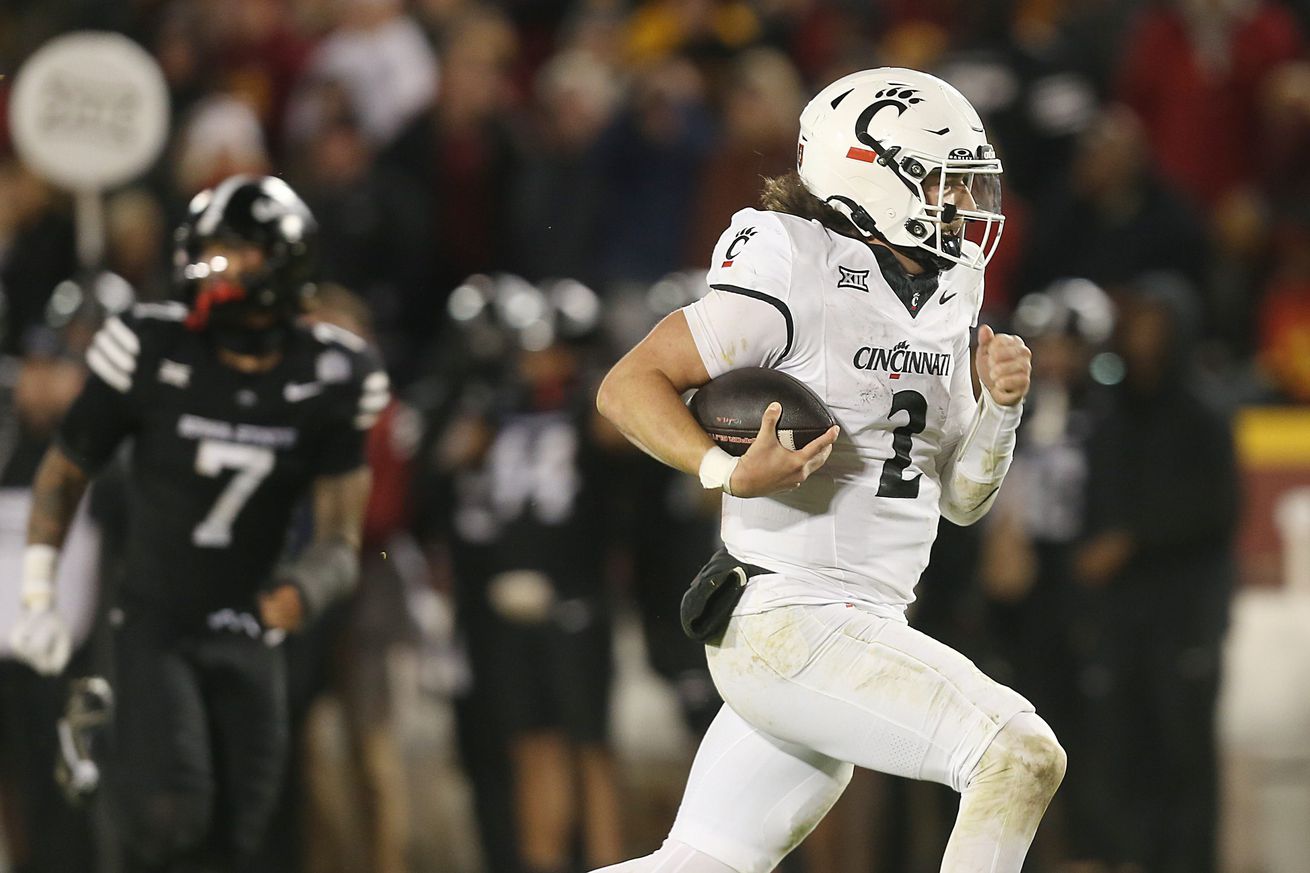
[962, 199]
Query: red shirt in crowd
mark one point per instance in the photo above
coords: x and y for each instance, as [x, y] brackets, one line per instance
[1203, 122]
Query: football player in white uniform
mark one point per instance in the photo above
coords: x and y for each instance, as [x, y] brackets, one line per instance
[862, 278]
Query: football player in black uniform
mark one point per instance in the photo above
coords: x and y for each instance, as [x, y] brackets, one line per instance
[236, 412]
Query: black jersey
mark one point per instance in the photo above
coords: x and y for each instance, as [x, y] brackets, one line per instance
[219, 458]
[536, 499]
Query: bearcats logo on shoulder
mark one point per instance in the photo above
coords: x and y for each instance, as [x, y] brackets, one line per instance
[855, 279]
[734, 247]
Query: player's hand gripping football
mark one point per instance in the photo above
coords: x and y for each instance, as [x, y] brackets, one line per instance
[1004, 366]
[767, 467]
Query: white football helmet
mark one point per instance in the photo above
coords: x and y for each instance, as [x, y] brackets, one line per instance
[904, 156]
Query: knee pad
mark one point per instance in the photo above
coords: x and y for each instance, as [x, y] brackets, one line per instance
[1026, 752]
[162, 826]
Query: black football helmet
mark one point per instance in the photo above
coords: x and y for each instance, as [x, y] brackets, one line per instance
[259, 211]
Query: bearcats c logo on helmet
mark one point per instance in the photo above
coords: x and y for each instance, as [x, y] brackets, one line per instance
[893, 98]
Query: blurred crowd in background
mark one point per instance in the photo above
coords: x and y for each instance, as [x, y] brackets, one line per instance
[510, 194]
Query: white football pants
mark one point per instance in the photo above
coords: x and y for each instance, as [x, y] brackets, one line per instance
[812, 690]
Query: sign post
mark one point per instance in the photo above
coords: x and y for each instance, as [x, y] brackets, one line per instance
[89, 112]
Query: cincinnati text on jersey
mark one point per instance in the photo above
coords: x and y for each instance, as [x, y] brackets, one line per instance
[900, 359]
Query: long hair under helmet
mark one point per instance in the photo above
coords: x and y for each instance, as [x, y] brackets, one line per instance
[871, 145]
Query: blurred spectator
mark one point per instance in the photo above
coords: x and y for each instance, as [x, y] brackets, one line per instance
[36, 251]
[702, 29]
[812, 33]
[1284, 315]
[136, 241]
[221, 137]
[761, 100]
[560, 202]
[916, 43]
[597, 31]
[462, 155]
[1161, 511]
[1285, 139]
[652, 161]
[1239, 260]
[1113, 219]
[1040, 616]
[529, 523]
[376, 233]
[258, 56]
[437, 17]
[382, 59]
[179, 41]
[1035, 86]
[1193, 70]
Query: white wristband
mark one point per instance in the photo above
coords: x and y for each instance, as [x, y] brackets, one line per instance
[716, 469]
[38, 588]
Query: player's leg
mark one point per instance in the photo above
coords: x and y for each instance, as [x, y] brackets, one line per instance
[581, 675]
[1182, 675]
[879, 694]
[159, 776]
[1005, 797]
[545, 798]
[750, 800]
[368, 703]
[246, 695]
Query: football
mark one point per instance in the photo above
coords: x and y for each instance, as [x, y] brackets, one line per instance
[730, 407]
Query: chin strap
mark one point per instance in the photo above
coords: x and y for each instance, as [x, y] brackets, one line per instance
[858, 216]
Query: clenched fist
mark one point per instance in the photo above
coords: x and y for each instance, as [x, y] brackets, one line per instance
[1004, 366]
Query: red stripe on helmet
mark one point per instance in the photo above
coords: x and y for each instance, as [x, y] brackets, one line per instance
[858, 154]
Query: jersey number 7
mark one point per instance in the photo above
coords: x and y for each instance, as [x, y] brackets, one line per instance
[252, 464]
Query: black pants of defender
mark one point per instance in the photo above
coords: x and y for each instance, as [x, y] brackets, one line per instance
[200, 744]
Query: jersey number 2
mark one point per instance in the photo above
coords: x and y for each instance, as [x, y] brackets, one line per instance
[252, 464]
[893, 482]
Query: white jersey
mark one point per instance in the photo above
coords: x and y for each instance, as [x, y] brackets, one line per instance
[790, 295]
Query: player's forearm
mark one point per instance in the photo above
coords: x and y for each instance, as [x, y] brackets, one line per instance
[642, 395]
[56, 492]
[329, 567]
[974, 474]
[339, 506]
[645, 405]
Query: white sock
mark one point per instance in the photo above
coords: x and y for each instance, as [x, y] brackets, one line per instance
[1005, 799]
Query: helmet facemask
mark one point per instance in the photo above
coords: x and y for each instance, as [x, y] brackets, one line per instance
[961, 201]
